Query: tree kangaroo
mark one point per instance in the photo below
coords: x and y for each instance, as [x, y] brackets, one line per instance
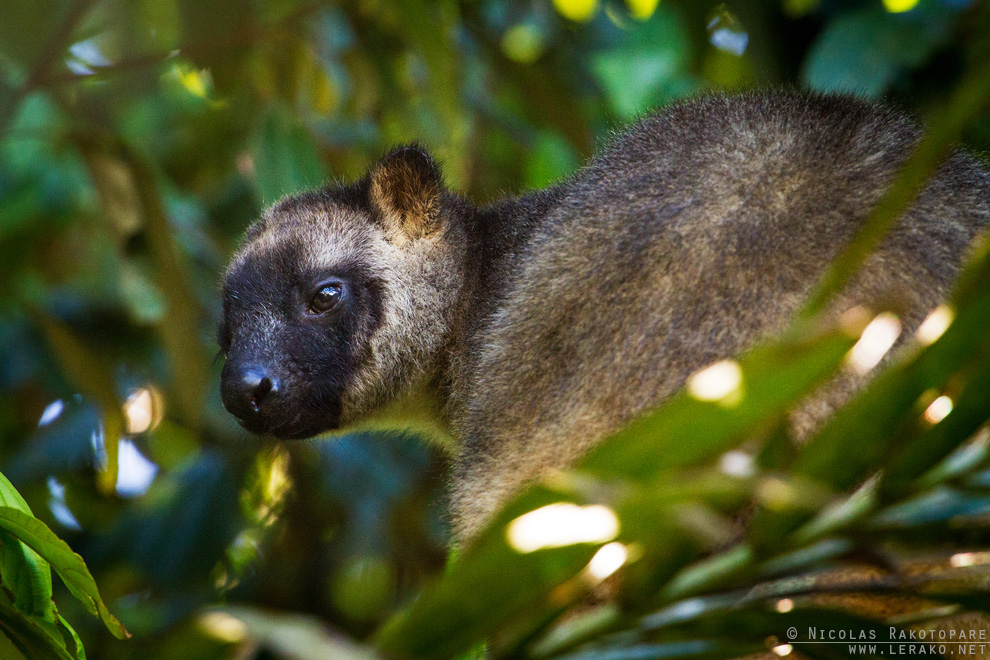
[533, 327]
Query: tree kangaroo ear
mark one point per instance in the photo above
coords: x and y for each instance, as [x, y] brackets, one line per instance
[405, 190]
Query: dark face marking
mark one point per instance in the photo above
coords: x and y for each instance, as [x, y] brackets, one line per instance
[288, 362]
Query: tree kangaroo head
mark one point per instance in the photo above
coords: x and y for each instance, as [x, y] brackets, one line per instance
[340, 299]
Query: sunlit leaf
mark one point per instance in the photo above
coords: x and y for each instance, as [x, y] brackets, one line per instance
[577, 10]
[898, 6]
[642, 9]
[774, 376]
[302, 637]
[474, 596]
[866, 430]
[523, 43]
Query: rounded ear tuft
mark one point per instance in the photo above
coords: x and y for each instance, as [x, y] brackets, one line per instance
[405, 189]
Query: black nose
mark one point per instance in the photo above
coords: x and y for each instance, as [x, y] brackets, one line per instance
[245, 390]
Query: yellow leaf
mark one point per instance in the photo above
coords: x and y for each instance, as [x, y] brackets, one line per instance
[523, 43]
[642, 9]
[898, 6]
[577, 10]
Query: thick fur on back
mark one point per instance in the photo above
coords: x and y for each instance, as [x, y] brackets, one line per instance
[694, 234]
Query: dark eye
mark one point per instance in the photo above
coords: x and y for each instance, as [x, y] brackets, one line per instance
[326, 298]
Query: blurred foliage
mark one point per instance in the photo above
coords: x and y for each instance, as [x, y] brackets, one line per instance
[138, 138]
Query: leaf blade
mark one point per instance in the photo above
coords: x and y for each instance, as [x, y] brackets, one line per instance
[69, 566]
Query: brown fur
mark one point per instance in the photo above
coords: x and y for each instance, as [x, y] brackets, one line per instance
[406, 187]
[695, 234]
[532, 328]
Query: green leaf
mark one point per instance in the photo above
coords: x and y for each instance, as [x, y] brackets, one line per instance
[551, 158]
[711, 571]
[474, 597]
[868, 430]
[28, 576]
[31, 636]
[212, 21]
[649, 68]
[21, 207]
[662, 651]
[26, 27]
[864, 52]
[633, 81]
[10, 497]
[8, 650]
[939, 505]
[69, 566]
[298, 636]
[970, 411]
[285, 158]
[23, 571]
[80, 652]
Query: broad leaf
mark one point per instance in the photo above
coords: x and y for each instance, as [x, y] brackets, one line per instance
[23, 571]
[69, 566]
[32, 637]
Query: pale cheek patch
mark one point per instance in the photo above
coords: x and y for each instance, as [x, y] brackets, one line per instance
[325, 238]
[342, 240]
[421, 287]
